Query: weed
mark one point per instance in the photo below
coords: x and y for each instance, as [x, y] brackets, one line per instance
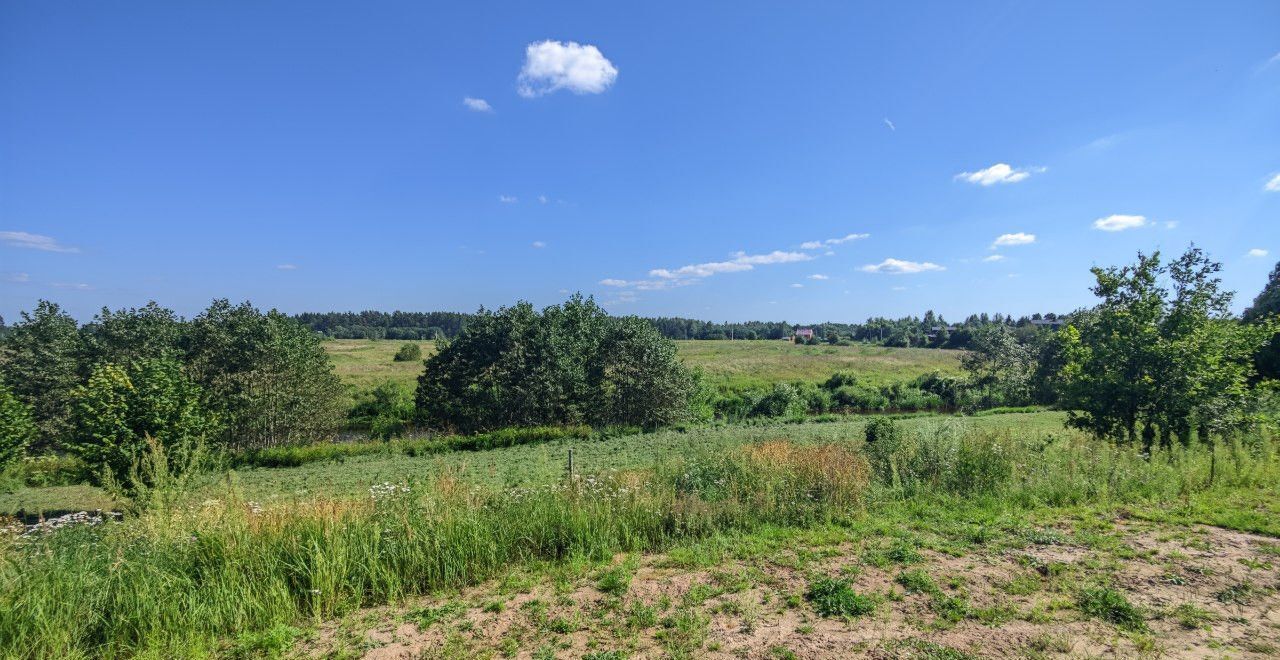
[834, 597]
[1111, 606]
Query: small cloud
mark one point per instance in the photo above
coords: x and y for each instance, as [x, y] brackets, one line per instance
[993, 257]
[539, 244]
[741, 261]
[797, 285]
[1009, 240]
[818, 276]
[814, 245]
[1171, 224]
[477, 105]
[508, 199]
[17, 277]
[287, 267]
[901, 267]
[998, 173]
[898, 288]
[1120, 222]
[23, 239]
[542, 199]
[1273, 185]
[609, 281]
[890, 124]
[1257, 252]
[75, 286]
[550, 66]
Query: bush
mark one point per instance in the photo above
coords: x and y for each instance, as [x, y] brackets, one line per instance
[883, 445]
[408, 353]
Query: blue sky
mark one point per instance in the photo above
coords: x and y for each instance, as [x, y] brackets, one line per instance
[715, 160]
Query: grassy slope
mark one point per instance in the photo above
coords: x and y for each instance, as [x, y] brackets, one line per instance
[364, 363]
[525, 464]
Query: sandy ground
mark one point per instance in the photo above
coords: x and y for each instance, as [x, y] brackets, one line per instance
[1204, 593]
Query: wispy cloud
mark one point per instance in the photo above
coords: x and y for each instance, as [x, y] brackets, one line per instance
[998, 173]
[1274, 184]
[901, 267]
[287, 267]
[74, 286]
[667, 278]
[818, 276]
[539, 244]
[17, 277]
[890, 124]
[1009, 240]
[1120, 222]
[993, 258]
[476, 105]
[814, 245]
[542, 199]
[1257, 253]
[508, 199]
[550, 66]
[30, 241]
[797, 285]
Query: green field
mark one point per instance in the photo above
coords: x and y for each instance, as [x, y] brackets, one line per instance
[363, 363]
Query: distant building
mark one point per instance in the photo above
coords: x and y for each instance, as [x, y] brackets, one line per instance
[804, 334]
[1052, 324]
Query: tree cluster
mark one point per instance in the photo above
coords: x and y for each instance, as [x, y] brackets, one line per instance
[568, 364]
[231, 377]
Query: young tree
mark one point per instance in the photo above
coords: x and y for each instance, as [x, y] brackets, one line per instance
[128, 335]
[40, 362]
[1155, 362]
[118, 409]
[998, 362]
[17, 429]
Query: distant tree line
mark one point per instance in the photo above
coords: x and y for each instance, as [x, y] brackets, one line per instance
[385, 325]
[928, 331]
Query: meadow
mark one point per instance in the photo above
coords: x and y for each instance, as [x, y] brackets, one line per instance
[363, 363]
[938, 536]
[949, 537]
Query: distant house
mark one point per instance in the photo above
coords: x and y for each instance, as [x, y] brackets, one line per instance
[804, 334]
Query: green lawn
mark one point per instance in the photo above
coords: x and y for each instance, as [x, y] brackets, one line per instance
[363, 363]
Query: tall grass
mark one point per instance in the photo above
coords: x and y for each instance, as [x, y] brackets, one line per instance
[192, 578]
[182, 580]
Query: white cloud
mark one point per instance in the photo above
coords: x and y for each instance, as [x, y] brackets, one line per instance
[508, 199]
[477, 105]
[901, 267]
[1008, 240]
[998, 173]
[76, 286]
[539, 244]
[813, 245]
[1258, 252]
[1120, 222]
[666, 278]
[1171, 224]
[818, 276]
[797, 285]
[17, 277]
[542, 199]
[1273, 185]
[550, 66]
[993, 257]
[890, 124]
[23, 239]
[286, 267]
